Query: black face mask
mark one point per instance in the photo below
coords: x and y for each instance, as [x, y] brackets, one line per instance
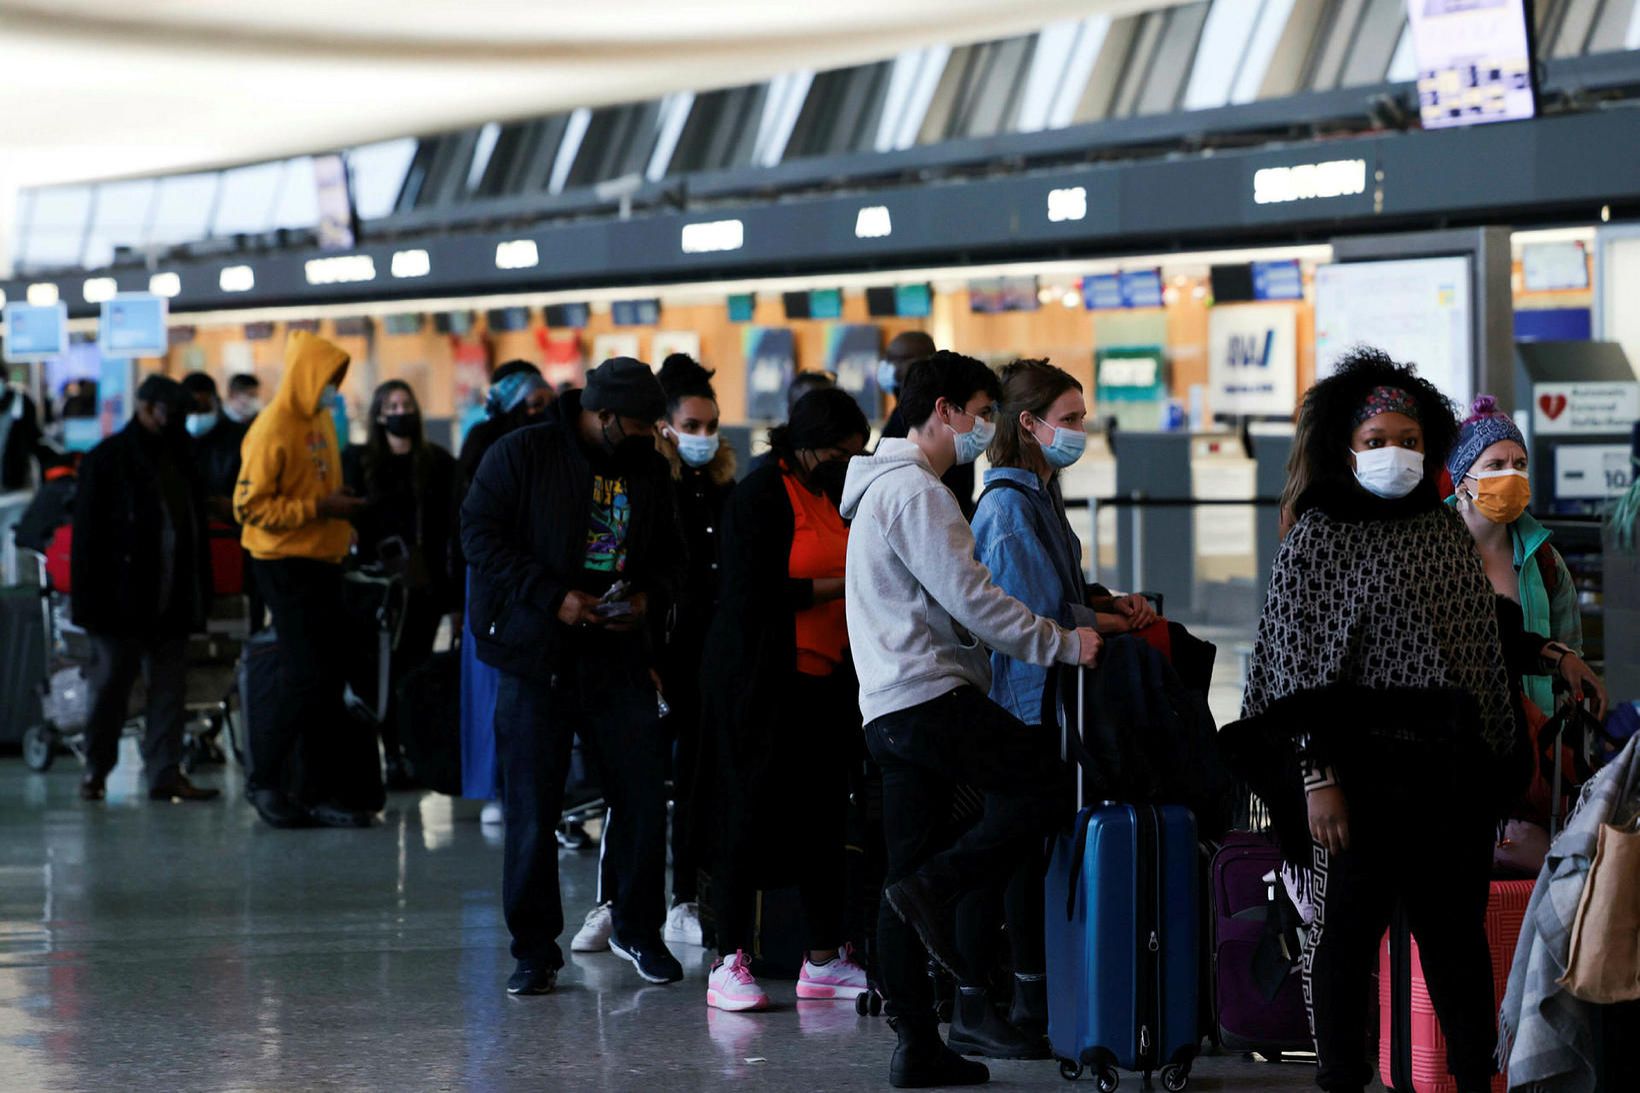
[828, 478]
[626, 452]
[403, 426]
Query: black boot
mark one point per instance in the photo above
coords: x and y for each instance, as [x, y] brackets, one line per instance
[1029, 1011]
[978, 1029]
[922, 1061]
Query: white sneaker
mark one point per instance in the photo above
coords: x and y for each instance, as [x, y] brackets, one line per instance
[730, 985]
[593, 937]
[490, 815]
[683, 925]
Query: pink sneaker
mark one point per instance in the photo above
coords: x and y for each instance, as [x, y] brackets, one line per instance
[837, 978]
[731, 987]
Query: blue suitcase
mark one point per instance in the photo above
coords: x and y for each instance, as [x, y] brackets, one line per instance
[1123, 936]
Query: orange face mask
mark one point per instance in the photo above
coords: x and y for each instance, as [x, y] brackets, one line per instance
[1501, 496]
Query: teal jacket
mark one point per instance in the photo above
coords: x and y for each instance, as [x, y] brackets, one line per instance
[1553, 613]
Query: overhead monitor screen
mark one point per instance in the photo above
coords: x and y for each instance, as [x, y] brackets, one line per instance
[133, 325]
[33, 333]
[1417, 310]
[1555, 267]
[1474, 61]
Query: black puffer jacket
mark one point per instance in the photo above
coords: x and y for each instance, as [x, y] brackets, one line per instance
[524, 532]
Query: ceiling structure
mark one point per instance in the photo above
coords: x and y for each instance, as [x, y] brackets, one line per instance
[132, 87]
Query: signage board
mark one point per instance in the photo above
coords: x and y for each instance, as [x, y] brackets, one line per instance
[34, 333]
[771, 362]
[1141, 288]
[1592, 472]
[1574, 408]
[1252, 359]
[1280, 280]
[1474, 61]
[852, 352]
[133, 325]
[1415, 309]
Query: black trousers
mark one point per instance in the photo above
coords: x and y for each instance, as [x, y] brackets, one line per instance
[115, 662]
[311, 722]
[606, 695]
[422, 617]
[684, 728]
[923, 752]
[1431, 854]
[1016, 903]
[796, 810]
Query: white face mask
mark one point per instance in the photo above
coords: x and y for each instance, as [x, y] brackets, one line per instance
[697, 451]
[1389, 472]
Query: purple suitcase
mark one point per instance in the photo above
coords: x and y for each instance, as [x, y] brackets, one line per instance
[1246, 1019]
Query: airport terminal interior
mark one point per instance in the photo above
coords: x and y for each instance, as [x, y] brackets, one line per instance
[399, 405]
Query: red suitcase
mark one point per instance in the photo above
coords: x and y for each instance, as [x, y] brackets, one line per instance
[1422, 1069]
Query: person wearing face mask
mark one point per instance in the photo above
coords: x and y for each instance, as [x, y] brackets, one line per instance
[407, 525]
[216, 440]
[1491, 491]
[703, 474]
[904, 350]
[922, 614]
[570, 532]
[244, 399]
[1382, 675]
[779, 695]
[142, 584]
[293, 509]
[1023, 537]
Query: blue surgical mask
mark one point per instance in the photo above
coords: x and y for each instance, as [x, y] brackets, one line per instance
[200, 424]
[887, 380]
[1389, 472]
[972, 444]
[697, 451]
[1067, 447]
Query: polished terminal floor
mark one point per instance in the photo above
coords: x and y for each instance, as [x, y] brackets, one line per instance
[189, 947]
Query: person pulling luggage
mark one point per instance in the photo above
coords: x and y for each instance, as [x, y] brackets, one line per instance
[921, 612]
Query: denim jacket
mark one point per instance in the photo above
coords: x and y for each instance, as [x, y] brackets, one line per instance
[1023, 538]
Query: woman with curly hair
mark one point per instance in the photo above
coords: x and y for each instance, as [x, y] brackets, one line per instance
[1384, 660]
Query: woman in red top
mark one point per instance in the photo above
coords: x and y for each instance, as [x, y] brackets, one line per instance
[779, 691]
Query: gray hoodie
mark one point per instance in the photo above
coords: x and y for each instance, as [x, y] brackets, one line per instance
[921, 609]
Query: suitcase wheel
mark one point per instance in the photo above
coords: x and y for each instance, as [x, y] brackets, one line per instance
[39, 747]
[1175, 1078]
[1109, 1080]
[1069, 1071]
[868, 1004]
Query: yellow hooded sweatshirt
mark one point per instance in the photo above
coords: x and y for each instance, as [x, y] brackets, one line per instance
[290, 461]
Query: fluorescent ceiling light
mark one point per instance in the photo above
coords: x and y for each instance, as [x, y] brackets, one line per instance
[1070, 203]
[343, 269]
[411, 263]
[873, 222]
[713, 235]
[236, 279]
[168, 285]
[517, 254]
[97, 289]
[42, 294]
[1307, 181]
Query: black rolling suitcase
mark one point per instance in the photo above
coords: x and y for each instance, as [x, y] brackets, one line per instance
[430, 722]
[22, 660]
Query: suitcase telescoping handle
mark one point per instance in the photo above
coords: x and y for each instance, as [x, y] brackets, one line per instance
[1065, 752]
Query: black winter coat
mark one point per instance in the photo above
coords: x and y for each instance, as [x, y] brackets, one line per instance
[119, 527]
[216, 455]
[524, 533]
[416, 501]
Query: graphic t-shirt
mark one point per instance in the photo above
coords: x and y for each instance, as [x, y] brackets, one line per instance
[607, 526]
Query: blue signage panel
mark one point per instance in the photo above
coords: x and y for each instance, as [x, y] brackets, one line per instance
[826, 303]
[1278, 280]
[1141, 288]
[133, 325]
[36, 332]
[913, 301]
[1102, 292]
[635, 312]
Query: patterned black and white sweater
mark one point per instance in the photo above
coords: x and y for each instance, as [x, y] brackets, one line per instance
[1374, 596]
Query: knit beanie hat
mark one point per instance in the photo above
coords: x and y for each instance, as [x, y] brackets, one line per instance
[626, 387]
[1484, 427]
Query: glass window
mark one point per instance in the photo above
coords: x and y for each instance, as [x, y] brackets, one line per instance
[579, 120]
[911, 83]
[1261, 49]
[297, 205]
[1225, 35]
[1403, 65]
[674, 115]
[57, 224]
[182, 211]
[119, 219]
[246, 199]
[1164, 82]
[1133, 73]
[1078, 69]
[1373, 45]
[483, 148]
[378, 172]
[1632, 40]
[780, 110]
[1612, 25]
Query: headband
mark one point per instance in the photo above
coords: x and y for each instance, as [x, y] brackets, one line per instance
[511, 390]
[1385, 399]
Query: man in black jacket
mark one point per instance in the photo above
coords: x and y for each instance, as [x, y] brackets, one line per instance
[570, 531]
[142, 583]
[217, 438]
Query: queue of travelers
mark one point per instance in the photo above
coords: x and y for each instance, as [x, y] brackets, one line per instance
[843, 614]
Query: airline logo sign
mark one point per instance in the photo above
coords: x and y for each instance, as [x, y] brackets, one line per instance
[1253, 359]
